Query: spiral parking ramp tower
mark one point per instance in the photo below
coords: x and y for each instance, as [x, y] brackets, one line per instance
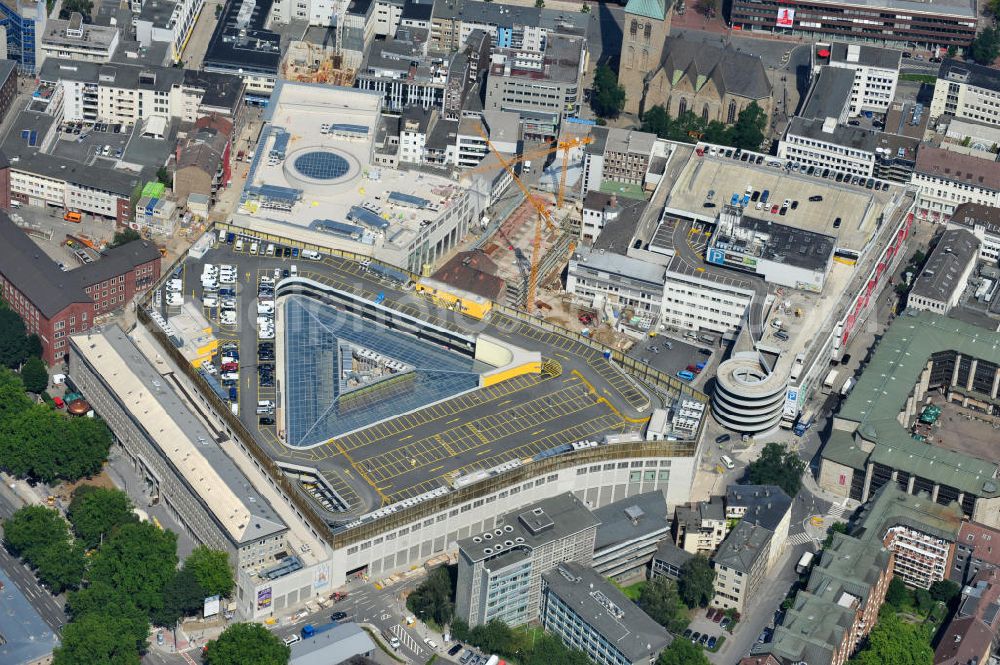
[749, 397]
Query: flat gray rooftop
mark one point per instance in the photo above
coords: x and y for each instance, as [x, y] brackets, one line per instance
[606, 610]
[855, 207]
[183, 440]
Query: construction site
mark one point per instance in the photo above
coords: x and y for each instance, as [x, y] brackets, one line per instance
[532, 244]
[306, 62]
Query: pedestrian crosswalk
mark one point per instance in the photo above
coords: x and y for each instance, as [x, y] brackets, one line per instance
[800, 538]
[836, 510]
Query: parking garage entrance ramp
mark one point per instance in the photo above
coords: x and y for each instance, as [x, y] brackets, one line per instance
[343, 373]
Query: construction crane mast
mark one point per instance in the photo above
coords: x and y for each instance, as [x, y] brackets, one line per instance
[543, 215]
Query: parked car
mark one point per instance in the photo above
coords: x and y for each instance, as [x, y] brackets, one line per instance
[722, 438]
[266, 420]
[685, 375]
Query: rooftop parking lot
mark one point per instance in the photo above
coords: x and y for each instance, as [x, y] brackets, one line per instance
[104, 144]
[820, 201]
[395, 455]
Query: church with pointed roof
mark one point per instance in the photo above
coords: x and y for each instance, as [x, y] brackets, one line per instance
[681, 74]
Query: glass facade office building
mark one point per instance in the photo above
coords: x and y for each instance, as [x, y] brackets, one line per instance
[24, 23]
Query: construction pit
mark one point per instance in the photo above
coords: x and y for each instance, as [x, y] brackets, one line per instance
[511, 248]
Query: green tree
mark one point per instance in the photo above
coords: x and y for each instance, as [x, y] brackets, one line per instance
[82, 6]
[607, 98]
[682, 652]
[44, 444]
[13, 339]
[12, 397]
[894, 642]
[182, 597]
[95, 512]
[125, 236]
[945, 590]
[897, 594]
[97, 639]
[923, 600]
[61, 567]
[211, 570]
[661, 600]
[585, 9]
[493, 637]
[986, 46]
[163, 175]
[836, 527]
[539, 4]
[432, 600]
[35, 375]
[247, 644]
[40, 536]
[548, 649]
[953, 50]
[993, 6]
[748, 132]
[656, 121]
[777, 466]
[138, 559]
[32, 529]
[695, 583]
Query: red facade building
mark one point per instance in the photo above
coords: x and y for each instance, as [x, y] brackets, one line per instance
[54, 303]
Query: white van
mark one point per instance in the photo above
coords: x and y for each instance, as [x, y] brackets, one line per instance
[235, 408]
[222, 236]
[311, 255]
[270, 249]
[292, 639]
[294, 270]
[727, 462]
[253, 248]
[239, 245]
[265, 404]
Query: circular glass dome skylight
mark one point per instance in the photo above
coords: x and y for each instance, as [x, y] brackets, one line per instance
[322, 165]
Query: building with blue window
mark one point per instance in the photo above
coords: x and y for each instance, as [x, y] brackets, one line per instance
[589, 613]
[24, 23]
[500, 570]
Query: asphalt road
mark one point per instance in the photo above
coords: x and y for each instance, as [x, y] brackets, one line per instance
[49, 607]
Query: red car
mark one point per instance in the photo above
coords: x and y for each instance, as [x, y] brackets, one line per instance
[230, 367]
[692, 368]
[774, 209]
[58, 401]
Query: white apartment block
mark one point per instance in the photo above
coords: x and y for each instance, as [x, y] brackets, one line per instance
[947, 179]
[825, 144]
[525, 37]
[968, 91]
[597, 278]
[703, 301]
[75, 40]
[169, 22]
[876, 72]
